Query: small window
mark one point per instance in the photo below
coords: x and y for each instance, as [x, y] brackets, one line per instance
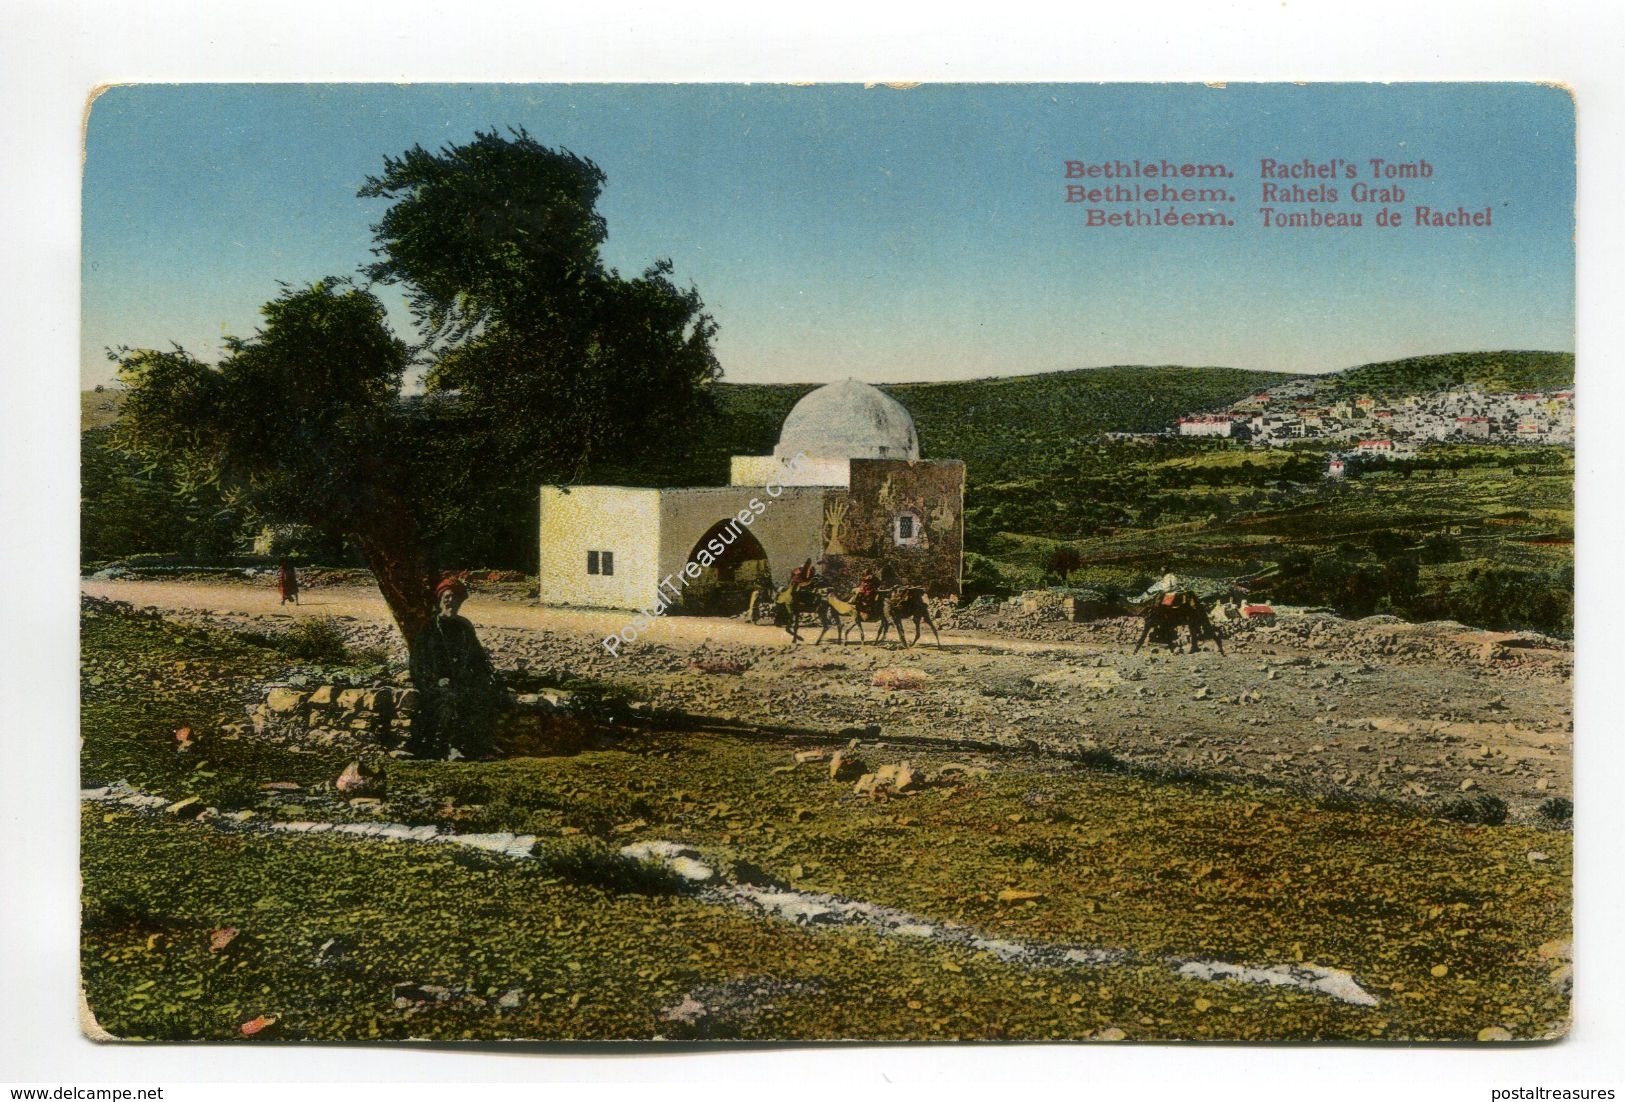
[606, 559]
[592, 562]
[905, 530]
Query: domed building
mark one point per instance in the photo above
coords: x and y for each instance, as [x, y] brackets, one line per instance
[849, 420]
[845, 488]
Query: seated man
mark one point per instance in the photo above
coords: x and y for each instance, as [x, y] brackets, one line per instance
[457, 688]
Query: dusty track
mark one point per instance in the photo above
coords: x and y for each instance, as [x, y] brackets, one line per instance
[1275, 711]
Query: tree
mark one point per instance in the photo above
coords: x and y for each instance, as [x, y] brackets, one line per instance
[496, 244]
[303, 420]
[1063, 561]
[539, 360]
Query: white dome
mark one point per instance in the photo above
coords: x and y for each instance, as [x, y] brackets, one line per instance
[849, 420]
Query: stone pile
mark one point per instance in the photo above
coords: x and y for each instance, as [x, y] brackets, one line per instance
[332, 713]
[381, 715]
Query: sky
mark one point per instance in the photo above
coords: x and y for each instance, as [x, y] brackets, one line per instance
[887, 234]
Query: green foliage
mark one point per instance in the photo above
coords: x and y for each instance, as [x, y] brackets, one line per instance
[590, 861]
[1556, 809]
[128, 507]
[1063, 561]
[1480, 808]
[558, 357]
[1496, 372]
[1508, 598]
[982, 578]
[316, 639]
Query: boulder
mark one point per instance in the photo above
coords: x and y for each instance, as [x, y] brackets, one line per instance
[900, 776]
[361, 779]
[349, 699]
[322, 696]
[189, 808]
[284, 701]
[843, 766]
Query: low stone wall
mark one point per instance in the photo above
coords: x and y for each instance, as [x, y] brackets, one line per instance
[546, 722]
[330, 713]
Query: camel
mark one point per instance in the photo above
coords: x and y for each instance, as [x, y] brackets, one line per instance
[891, 608]
[793, 604]
[1163, 621]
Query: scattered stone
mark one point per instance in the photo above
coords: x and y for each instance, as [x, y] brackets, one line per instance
[844, 767]
[1494, 1033]
[263, 1025]
[511, 999]
[1111, 1033]
[361, 779]
[1536, 857]
[416, 994]
[189, 808]
[282, 700]
[804, 756]
[219, 939]
[688, 1012]
[1017, 895]
[331, 951]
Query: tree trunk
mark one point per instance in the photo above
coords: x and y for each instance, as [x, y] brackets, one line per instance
[405, 575]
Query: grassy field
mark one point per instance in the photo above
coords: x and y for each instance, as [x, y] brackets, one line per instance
[1442, 922]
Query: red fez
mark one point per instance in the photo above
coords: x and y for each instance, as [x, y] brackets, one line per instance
[453, 583]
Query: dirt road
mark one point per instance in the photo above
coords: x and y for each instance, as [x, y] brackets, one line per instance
[366, 603]
[1427, 729]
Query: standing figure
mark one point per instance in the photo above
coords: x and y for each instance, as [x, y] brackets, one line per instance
[287, 581]
[457, 688]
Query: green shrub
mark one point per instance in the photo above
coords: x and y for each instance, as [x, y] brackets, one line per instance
[590, 861]
[1483, 808]
[1556, 809]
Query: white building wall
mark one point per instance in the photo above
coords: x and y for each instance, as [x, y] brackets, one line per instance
[765, 470]
[789, 527]
[618, 519]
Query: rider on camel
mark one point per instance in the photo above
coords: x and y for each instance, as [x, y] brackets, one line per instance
[868, 594]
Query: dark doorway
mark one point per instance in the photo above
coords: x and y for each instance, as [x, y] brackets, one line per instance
[724, 587]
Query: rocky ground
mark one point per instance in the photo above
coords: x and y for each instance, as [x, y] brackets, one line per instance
[1375, 709]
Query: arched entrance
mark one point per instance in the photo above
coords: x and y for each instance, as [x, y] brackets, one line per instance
[725, 585]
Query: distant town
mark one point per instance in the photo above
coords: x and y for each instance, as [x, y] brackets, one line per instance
[1374, 427]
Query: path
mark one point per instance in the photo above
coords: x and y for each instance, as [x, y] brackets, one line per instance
[366, 603]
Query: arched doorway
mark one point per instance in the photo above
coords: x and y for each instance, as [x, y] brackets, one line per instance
[725, 585]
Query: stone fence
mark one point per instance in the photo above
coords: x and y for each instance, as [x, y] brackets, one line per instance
[548, 722]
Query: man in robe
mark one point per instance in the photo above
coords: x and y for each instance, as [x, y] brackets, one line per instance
[457, 689]
[287, 581]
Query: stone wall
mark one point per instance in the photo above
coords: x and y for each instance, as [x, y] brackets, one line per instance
[866, 534]
[546, 722]
[329, 713]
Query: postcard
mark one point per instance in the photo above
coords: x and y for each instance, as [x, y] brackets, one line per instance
[828, 562]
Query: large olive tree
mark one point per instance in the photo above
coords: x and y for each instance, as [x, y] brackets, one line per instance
[540, 362]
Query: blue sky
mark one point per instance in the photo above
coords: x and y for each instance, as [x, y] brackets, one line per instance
[887, 234]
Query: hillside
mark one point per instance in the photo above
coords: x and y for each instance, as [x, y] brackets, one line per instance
[99, 407]
[1002, 427]
[1497, 372]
